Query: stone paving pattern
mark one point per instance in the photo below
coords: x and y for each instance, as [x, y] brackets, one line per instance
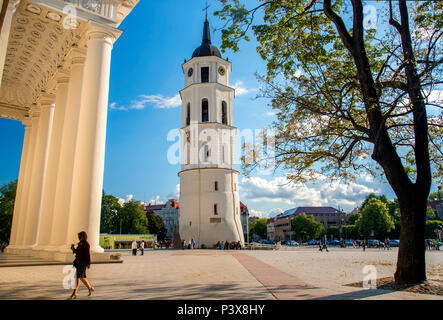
[300, 273]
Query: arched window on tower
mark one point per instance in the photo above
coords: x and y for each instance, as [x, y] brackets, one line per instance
[188, 114]
[205, 110]
[224, 113]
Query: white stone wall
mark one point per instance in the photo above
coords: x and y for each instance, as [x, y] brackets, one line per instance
[197, 199]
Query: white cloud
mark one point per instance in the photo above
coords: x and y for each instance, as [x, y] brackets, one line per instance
[176, 193]
[265, 214]
[269, 114]
[156, 101]
[240, 89]
[281, 192]
[156, 200]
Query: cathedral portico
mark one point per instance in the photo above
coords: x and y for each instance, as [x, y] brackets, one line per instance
[55, 68]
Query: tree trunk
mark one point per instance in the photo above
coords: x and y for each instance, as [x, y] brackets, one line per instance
[411, 266]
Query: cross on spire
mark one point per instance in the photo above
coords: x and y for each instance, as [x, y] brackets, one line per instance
[206, 8]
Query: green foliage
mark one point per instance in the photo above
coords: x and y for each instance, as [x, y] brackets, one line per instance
[430, 213]
[109, 218]
[306, 227]
[350, 232]
[334, 231]
[430, 228]
[7, 198]
[375, 216]
[258, 227]
[319, 88]
[353, 217]
[156, 225]
[133, 216]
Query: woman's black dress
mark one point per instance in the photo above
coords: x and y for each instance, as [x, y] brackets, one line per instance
[82, 258]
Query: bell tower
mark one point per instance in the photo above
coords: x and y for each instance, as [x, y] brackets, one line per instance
[209, 201]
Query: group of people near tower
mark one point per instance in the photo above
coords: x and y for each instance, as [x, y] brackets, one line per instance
[188, 245]
[228, 245]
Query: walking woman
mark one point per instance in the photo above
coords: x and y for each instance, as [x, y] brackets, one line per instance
[81, 262]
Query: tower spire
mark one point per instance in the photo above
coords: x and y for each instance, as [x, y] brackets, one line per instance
[206, 32]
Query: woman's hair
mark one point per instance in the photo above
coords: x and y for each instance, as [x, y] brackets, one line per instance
[83, 235]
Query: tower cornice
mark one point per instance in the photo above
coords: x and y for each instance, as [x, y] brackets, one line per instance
[209, 168]
[205, 84]
[206, 58]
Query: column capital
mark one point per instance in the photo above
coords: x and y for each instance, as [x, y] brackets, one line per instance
[96, 31]
[77, 56]
[62, 76]
[47, 100]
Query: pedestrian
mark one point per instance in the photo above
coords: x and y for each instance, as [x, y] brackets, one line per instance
[193, 243]
[81, 262]
[325, 242]
[221, 246]
[3, 247]
[134, 248]
[364, 245]
[142, 247]
[353, 244]
[217, 246]
[226, 245]
[239, 245]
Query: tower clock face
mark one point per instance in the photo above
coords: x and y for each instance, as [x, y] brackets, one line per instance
[190, 71]
[221, 70]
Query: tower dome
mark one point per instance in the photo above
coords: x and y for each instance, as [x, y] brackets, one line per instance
[206, 48]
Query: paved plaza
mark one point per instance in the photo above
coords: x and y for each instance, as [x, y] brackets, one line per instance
[292, 273]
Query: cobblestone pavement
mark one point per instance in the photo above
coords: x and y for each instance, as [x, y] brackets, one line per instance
[213, 274]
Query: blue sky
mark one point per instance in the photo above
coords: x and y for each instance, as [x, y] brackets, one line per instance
[146, 77]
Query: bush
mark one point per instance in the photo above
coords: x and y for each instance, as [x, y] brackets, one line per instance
[430, 228]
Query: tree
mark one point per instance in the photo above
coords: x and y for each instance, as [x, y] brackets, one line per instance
[375, 217]
[350, 232]
[133, 216]
[353, 217]
[351, 99]
[7, 199]
[431, 225]
[156, 225]
[430, 214]
[306, 227]
[334, 231]
[109, 218]
[258, 227]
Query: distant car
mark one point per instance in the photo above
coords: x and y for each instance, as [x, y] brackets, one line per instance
[394, 243]
[292, 243]
[312, 242]
[349, 242]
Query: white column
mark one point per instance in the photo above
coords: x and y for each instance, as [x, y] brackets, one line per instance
[19, 198]
[44, 234]
[4, 35]
[20, 233]
[90, 152]
[63, 192]
[39, 171]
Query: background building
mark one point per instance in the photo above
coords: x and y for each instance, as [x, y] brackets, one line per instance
[328, 216]
[170, 213]
[270, 229]
[244, 218]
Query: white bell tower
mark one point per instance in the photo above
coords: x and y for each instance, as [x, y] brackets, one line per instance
[209, 201]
